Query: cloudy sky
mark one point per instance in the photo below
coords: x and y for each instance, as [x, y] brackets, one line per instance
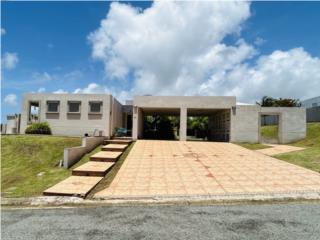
[163, 48]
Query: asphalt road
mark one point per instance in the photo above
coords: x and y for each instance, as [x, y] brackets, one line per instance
[284, 221]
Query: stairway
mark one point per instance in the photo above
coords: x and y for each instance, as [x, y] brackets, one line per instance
[85, 177]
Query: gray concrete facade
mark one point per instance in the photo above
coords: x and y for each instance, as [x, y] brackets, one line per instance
[227, 120]
[64, 122]
[241, 123]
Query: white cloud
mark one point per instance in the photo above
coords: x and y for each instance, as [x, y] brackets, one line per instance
[3, 31]
[259, 41]
[60, 91]
[42, 77]
[11, 99]
[41, 90]
[162, 42]
[9, 60]
[92, 88]
[73, 75]
[176, 48]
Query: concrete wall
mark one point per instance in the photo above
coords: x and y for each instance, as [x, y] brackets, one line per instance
[117, 119]
[292, 122]
[64, 123]
[201, 102]
[72, 155]
[245, 123]
[183, 103]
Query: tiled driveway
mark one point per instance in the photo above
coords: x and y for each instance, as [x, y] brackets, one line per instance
[173, 168]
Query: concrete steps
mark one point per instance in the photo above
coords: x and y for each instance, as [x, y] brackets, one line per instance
[78, 186]
[114, 147]
[117, 141]
[92, 168]
[85, 177]
[105, 156]
[122, 138]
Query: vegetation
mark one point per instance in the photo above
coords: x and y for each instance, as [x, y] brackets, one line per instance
[253, 146]
[267, 101]
[30, 164]
[198, 126]
[38, 128]
[270, 132]
[159, 127]
[310, 157]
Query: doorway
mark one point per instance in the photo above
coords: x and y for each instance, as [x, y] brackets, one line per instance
[269, 128]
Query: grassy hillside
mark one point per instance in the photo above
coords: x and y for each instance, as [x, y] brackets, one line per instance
[29, 163]
[310, 157]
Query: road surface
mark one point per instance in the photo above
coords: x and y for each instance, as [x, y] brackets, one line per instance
[274, 221]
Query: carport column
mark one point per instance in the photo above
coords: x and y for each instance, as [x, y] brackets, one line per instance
[137, 123]
[183, 124]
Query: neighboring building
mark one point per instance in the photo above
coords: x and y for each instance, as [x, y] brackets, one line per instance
[78, 114]
[313, 109]
[12, 126]
[311, 102]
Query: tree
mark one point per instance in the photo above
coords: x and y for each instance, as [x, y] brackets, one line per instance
[267, 101]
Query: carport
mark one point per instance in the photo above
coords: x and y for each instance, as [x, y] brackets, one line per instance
[217, 109]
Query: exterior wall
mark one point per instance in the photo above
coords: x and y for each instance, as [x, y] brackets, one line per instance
[116, 115]
[13, 124]
[245, 123]
[66, 124]
[72, 155]
[292, 122]
[176, 102]
[201, 102]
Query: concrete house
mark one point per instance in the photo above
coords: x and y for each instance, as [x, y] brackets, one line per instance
[78, 114]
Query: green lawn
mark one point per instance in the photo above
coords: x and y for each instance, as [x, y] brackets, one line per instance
[29, 163]
[269, 132]
[253, 146]
[308, 158]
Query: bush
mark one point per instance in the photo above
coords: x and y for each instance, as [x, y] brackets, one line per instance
[38, 128]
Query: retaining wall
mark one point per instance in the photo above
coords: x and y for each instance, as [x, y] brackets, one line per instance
[72, 155]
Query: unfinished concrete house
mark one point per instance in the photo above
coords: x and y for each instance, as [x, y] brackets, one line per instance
[79, 114]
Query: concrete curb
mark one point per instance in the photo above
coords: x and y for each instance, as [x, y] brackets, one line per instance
[60, 201]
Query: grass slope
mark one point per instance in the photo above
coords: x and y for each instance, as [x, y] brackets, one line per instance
[29, 163]
[310, 157]
[253, 146]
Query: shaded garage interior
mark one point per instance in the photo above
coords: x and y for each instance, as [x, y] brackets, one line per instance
[208, 124]
[200, 124]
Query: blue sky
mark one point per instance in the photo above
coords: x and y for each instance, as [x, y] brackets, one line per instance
[52, 50]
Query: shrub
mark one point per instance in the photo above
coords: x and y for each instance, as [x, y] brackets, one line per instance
[38, 128]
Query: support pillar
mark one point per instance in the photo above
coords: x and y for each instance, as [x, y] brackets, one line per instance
[183, 124]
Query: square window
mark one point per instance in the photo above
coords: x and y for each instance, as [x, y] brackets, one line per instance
[74, 107]
[95, 107]
[53, 106]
